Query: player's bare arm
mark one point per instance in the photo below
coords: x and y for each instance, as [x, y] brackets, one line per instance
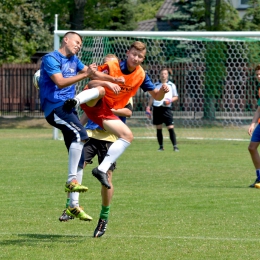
[103, 76]
[122, 112]
[158, 94]
[62, 82]
[96, 83]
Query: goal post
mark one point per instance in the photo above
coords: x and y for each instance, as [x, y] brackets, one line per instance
[213, 72]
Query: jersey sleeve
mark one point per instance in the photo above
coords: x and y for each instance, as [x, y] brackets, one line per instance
[174, 90]
[51, 65]
[80, 65]
[147, 84]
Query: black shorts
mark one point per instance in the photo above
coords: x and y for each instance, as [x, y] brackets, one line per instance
[95, 147]
[162, 115]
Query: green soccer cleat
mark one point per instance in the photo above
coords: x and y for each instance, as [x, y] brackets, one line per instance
[74, 186]
[78, 212]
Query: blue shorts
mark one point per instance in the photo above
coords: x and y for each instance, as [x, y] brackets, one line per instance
[256, 135]
[69, 124]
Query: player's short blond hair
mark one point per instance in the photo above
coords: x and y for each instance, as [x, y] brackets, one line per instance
[140, 46]
[109, 56]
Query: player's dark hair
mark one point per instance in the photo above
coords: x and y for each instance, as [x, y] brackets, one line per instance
[164, 68]
[71, 32]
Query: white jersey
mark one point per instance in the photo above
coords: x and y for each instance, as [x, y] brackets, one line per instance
[172, 93]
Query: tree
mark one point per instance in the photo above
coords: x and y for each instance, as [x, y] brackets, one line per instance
[110, 15]
[204, 15]
[91, 14]
[146, 9]
[251, 19]
[22, 31]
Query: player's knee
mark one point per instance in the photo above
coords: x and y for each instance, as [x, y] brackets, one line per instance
[129, 137]
[251, 148]
[101, 91]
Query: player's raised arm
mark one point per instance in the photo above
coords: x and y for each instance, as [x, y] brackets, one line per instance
[62, 82]
[158, 94]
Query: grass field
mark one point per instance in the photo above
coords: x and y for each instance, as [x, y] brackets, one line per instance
[194, 204]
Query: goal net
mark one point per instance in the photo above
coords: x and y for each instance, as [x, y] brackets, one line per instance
[213, 72]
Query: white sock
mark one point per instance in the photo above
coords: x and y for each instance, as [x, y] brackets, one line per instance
[74, 199]
[74, 157]
[79, 175]
[74, 196]
[87, 95]
[113, 153]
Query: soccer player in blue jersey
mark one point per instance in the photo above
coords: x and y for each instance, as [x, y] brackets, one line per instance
[59, 72]
[254, 132]
[162, 111]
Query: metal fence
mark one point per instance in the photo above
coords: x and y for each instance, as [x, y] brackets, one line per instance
[18, 95]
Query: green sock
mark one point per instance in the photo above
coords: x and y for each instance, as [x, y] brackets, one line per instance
[68, 202]
[104, 212]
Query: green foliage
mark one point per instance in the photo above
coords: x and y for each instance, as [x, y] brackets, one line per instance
[192, 16]
[189, 14]
[251, 19]
[229, 18]
[145, 10]
[110, 15]
[215, 74]
[22, 31]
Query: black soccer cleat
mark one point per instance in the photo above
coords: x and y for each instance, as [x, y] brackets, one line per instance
[253, 184]
[101, 228]
[102, 177]
[69, 104]
[176, 149]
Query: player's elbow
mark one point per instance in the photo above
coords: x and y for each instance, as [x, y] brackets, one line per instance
[129, 113]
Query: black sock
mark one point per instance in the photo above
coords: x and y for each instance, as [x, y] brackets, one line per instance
[172, 136]
[160, 137]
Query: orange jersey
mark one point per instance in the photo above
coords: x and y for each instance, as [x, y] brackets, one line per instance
[132, 82]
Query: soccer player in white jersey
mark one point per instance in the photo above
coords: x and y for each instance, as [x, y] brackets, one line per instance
[162, 110]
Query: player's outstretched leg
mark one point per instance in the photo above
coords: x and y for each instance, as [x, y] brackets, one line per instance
[69, 104]
[102, 177]
[101, 228]
[74, 186]
[81, 98]
[78, 212]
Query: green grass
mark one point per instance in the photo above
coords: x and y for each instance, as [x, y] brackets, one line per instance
[194, 204]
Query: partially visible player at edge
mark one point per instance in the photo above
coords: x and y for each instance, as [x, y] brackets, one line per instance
[59, 72]
[99, 110]
[254, 132]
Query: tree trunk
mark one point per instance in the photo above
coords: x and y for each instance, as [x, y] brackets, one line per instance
[207, 4]
[217, 16]
[77, 14]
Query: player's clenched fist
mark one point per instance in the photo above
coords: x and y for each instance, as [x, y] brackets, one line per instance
[165, 88]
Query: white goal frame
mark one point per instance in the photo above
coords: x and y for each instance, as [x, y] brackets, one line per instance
[143, 34]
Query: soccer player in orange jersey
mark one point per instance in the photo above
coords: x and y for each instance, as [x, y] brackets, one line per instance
[116, 96]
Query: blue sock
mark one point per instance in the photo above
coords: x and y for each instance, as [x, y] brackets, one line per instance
[258, 174]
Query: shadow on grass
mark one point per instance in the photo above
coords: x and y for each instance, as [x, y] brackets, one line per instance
[31, 239]
[24, 123]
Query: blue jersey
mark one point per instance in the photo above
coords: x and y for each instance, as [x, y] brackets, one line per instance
[51, 95]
